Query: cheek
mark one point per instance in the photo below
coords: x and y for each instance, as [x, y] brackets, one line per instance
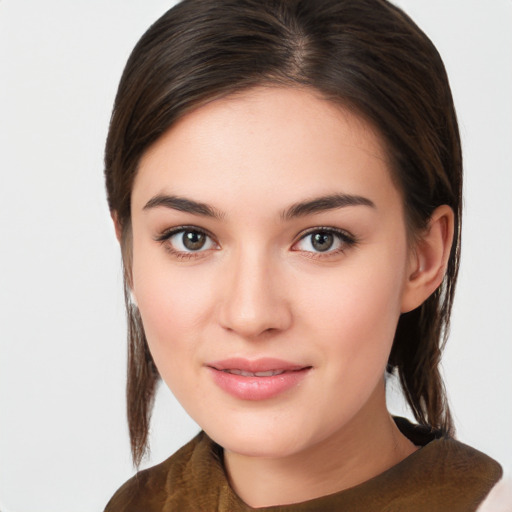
[174, 304]
[351, 319]
[357, 307]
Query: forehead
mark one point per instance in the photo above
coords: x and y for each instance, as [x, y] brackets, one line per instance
[263, 140]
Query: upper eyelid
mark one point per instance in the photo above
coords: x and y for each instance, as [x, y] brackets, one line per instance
[167, 233]
[343, 233]
[346, 238]
[165, 236]
[325, 229]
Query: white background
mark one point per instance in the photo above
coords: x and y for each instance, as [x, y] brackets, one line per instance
[63, 439]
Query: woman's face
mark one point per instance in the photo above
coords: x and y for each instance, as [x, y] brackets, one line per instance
[270, 263]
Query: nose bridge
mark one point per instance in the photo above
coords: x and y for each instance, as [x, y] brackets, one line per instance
[254, 302]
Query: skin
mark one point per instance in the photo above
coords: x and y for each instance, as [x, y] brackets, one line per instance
[259, 288]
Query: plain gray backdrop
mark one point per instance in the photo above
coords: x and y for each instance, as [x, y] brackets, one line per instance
[63, 437]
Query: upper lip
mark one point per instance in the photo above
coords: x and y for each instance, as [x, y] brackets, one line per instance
[264, 364]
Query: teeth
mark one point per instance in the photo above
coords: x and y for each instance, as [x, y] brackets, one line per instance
[269, 373]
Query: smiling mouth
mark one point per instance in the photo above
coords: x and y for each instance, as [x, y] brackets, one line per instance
[243, 373]
[257, 380]
[263, 367]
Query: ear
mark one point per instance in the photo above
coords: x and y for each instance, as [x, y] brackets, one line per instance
[117, 225]
[429, 258]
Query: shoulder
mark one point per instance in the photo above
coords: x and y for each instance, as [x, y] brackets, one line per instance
[444, 475]
[149, 490]
[445, 472]
[461, 465]
[442, 454]
[454, 475]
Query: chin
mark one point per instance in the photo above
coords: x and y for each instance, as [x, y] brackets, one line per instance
[265, 441]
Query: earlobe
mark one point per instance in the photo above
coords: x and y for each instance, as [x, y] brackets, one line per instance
[429, 259]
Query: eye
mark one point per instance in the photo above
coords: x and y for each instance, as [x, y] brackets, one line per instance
[186, 240]
[325, 240]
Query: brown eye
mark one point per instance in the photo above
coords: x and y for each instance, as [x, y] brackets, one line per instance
[187, 240]
[193, 240]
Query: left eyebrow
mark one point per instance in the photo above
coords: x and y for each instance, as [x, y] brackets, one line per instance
[324, 203]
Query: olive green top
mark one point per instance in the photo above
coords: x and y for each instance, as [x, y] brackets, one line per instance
[443, 475]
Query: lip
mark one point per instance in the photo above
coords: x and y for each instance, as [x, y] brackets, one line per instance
[254, 387]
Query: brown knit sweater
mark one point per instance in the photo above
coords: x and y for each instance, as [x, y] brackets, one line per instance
[442, 476]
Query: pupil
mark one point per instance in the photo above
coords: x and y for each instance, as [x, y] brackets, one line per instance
[322, 241]
[193, 240]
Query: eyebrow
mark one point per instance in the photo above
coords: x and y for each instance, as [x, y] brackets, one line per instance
[183, 205]
[301, 209]
[324, 203]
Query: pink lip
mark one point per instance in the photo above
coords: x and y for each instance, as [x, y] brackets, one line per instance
[256, 387]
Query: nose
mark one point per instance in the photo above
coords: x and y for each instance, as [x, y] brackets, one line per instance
[254, 302]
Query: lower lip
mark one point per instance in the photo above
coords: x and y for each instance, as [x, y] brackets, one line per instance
[257, 388]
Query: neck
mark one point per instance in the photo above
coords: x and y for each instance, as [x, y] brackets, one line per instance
[365, 447]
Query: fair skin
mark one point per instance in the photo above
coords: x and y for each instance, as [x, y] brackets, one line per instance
[238, 277]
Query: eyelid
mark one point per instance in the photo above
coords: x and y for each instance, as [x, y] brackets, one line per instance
[164, 237]
[167, 233]
[345, 237]
[342, 233]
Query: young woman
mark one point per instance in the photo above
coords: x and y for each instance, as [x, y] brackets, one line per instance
[285, 181]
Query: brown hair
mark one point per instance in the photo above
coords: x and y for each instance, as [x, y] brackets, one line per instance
[364, 54]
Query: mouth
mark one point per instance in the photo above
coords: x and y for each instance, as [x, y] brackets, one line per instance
[260, 379]
[243, 373]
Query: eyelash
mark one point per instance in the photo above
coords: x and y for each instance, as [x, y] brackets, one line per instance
[343, 237]
[166, 235]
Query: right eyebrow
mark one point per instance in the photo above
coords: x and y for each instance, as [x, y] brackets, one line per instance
[183, 205]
